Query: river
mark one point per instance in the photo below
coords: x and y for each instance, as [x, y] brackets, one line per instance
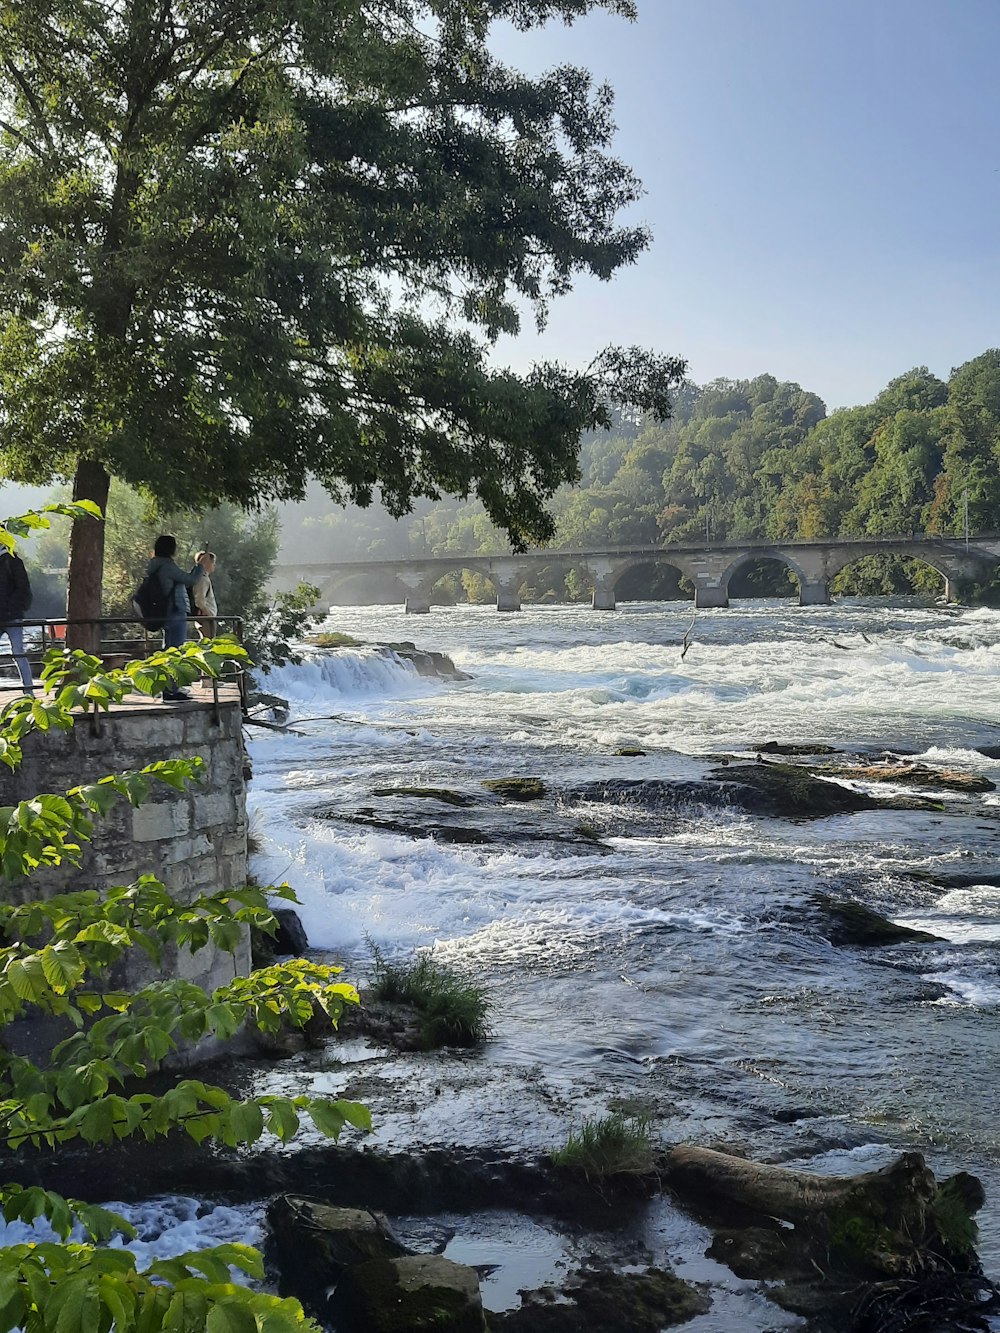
[676, 966]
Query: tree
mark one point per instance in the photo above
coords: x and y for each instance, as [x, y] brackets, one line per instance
[242, 244]
[55, 959]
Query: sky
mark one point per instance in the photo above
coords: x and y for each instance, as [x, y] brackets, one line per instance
[822, 180]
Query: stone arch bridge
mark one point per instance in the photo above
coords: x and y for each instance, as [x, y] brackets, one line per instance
[710, 567]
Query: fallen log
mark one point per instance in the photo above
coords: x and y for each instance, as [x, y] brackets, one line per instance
[897, 1196]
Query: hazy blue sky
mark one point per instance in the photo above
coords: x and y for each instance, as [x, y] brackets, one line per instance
[822, 178]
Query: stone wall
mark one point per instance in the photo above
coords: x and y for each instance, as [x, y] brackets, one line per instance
[194, 841]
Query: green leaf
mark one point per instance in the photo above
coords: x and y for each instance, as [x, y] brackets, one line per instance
[247, 1121]
[282, 1118]
[230, 1316]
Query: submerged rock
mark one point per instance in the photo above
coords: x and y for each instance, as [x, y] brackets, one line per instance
[420, 1293]
[847, 922]
[443, 794]
[630, 752]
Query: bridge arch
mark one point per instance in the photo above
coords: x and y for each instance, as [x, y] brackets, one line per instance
[746, 560]
[659, 579]
[361, 589]
[884, 572]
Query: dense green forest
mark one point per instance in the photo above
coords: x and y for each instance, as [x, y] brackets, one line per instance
[739, 459]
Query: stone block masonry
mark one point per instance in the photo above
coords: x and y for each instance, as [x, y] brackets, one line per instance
[195, 841]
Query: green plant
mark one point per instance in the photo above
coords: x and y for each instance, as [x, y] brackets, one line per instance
[334, 639]
[614, 1145]
[452, 1010]
[272, 628]
[55, 957]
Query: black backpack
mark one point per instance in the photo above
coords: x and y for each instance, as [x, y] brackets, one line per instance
[150, 603]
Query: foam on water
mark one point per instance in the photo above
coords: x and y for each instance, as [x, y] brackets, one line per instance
[166, 1226]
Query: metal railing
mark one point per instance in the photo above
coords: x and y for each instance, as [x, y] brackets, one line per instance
[118, 639]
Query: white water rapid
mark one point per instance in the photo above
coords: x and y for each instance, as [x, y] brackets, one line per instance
[665, 956]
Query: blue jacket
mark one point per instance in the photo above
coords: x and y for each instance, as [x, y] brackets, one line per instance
[174, 582]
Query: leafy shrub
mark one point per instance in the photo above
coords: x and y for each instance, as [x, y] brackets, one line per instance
[615, 1145]
[55, 959]
[452, 1010]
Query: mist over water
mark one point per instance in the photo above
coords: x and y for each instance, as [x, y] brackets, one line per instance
[677, 961]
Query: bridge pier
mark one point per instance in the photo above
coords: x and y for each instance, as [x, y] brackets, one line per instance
[416, 605]
[604, 599]
[814, 594]
[508, 599]
[708, 596]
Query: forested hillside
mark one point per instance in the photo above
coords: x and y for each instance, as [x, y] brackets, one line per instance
[757, 459]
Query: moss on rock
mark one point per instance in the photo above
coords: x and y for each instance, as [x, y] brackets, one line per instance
[517, 789]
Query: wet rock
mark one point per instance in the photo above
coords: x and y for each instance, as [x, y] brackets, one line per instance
[974, 879]
[443, 794]
[762, 1254]
[291, 937]
[915, 775]
[653, 793]
[386, 1023]
[428, 663]
[606, 1302]
[260, 700]
[423, 1293]
[630, 752]
[790, 789]
[313, 1244]
[459, 833]
[517, 789]
[803, 748]
[847, 922]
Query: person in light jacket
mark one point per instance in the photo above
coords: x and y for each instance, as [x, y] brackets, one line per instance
[204, 596]
[175, 584]
[15, 598]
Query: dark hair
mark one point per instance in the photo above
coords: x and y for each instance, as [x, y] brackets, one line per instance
[165, 547]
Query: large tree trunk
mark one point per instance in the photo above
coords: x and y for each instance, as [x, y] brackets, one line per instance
[898, 1195]
[86, 557]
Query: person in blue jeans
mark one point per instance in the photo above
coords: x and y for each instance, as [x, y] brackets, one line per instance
[175, 584]
[15, 598]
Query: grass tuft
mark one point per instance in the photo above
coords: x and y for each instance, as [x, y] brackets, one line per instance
[333, 639]
[452, 1011]
[614, 1145]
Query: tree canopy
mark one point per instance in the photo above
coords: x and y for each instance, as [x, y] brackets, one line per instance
[242, 244]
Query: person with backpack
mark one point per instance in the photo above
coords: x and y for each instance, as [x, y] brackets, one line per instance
[166, 578]
[15, 598]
